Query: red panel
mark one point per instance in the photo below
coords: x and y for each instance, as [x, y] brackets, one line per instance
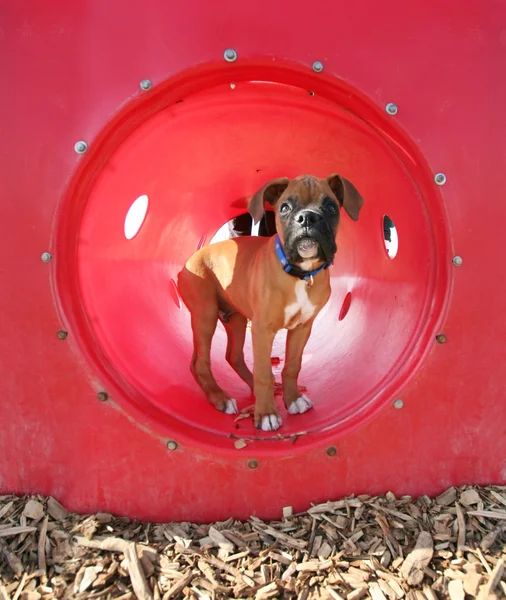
[76, 75]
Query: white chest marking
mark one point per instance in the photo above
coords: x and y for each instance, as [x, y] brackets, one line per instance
[302, 309]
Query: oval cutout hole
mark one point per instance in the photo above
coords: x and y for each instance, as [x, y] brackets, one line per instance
[345, 307]
[135, 216]
[390, 237]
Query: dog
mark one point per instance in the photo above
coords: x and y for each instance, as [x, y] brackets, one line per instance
[279, 282]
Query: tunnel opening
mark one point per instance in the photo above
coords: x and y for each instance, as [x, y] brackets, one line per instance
[197, 162]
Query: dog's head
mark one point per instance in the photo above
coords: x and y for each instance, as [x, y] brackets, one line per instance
[307, 214]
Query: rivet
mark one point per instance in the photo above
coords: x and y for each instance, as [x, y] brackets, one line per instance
[80, 147]
[331, 451]
[103, 396]
[230, 55]
[45, 257]
[232, 86]
[317, 66]
[145, 85]
[172, 445]
[391, 108]
[253, 464]
[457, 261]
[62, 334]
[441, 338]
[398, 403]
[440, 178]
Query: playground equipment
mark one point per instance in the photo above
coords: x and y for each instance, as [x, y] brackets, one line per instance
[131, 135]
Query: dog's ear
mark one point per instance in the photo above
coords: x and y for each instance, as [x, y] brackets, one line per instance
[347, 194]
[270, 193]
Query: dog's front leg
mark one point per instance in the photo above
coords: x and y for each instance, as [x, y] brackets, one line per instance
[296, 341]
[266, 412]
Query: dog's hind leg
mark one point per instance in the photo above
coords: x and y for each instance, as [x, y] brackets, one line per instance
[235, 326]
[200, 299]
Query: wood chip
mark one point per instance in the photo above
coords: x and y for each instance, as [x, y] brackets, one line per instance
[413, 566]
[461, 523]
[456, 590]
[10, 531]
[137, 577]
[469, 497]
[220, 540]
[488, 514]
[376, 591]
[33, 510]
[56, 510]
[178, 587]
[41, 548]
[493, 582]
[447, 498]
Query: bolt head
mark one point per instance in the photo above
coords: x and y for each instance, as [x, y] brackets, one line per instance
[232, 86]
[331, 451]
[62, 334]
[80, 147]
[317, 66]
[457, 261]
[253, 464]
[45, 257]
[145, 85]
[398, 403]
[391, 108]
[440, 178]
[103, 396]
[441, 338]
[172, 445]
[230, 55]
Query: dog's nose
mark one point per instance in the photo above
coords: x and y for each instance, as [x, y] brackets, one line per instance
[308, 217]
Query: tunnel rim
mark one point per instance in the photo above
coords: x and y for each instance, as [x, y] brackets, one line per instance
[141, 108]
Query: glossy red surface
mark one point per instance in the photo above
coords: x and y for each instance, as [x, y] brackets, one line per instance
[197, 146]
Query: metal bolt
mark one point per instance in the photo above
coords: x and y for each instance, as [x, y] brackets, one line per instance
[45, 257]
[317, 66]
[398, 403]
[172, 445]
[440, 178]
[441, 338]
[331, 451]
[391, 108]
[103, 396]
[62, 334]
[457, 261]
[230, 55]
[145, 85]
[80, 147]
[253, 464]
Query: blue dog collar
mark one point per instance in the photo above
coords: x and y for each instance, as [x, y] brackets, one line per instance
[307, 276]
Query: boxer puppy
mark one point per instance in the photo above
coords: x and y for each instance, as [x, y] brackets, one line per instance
[277, 282]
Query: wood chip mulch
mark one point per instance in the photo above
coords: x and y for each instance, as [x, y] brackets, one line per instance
[383, 547]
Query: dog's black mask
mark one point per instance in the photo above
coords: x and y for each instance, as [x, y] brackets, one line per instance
[303, 226]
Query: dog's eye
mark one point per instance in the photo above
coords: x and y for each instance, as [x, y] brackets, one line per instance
[330, 207]
[284, 209]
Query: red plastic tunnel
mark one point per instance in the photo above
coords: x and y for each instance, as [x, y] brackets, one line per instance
[115, 184]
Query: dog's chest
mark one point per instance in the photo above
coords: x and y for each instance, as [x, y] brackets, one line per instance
[300, 311]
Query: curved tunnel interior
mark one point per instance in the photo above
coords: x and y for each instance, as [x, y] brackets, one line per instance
[189, 169]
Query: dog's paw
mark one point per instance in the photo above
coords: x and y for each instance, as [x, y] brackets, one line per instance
[270, 423]
[301, 405]
[231, 407]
